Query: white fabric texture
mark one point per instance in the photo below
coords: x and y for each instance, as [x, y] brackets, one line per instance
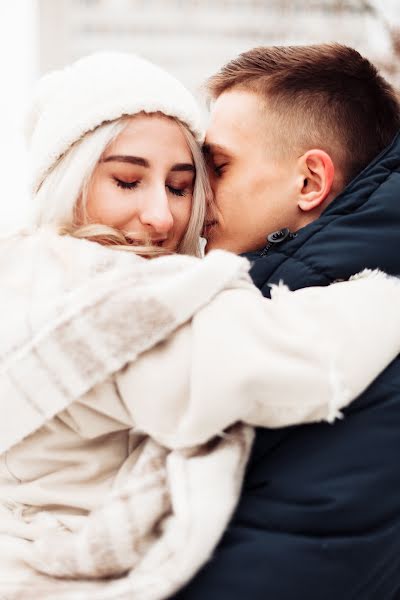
[95, 89]
[194, 356]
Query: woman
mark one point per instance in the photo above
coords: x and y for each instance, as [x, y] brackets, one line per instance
[68, 146]
[127, 383]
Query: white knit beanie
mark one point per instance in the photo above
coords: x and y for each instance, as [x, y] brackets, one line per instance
[98, 88]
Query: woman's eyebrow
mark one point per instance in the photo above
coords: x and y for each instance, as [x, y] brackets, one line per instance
[124, 158]
[183, 167]
[143, 162]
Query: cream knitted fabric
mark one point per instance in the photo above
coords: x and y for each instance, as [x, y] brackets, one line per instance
[76, 314]
[98, 88]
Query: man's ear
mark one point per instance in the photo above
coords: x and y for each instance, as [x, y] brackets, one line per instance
[317, 172]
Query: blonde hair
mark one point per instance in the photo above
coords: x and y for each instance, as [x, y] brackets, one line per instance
[63, 193]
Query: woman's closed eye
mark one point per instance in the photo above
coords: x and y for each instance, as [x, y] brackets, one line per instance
[178, 191]
[131, 185]
[126, 185]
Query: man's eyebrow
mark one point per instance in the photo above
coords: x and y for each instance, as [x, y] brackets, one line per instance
[124, 158]
[214, 149]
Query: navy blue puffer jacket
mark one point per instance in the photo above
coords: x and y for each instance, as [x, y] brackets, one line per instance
[319, 516]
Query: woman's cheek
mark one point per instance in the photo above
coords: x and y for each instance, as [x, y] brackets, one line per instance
[110, 210]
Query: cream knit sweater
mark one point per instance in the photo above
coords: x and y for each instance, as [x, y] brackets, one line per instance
[128, 390]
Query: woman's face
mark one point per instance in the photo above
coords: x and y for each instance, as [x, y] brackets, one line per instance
[143, 184]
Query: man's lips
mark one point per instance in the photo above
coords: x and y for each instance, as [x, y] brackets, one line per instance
[208, 225]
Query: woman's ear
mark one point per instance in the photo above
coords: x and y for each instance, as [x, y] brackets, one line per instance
[317, 171]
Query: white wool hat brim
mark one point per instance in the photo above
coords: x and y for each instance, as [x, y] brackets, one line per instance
[98, 88]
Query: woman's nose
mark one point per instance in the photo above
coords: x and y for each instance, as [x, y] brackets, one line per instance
[156, 213]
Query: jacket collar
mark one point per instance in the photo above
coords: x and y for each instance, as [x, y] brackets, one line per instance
[359, 229]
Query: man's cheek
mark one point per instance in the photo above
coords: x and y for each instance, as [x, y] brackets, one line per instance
[224, 192]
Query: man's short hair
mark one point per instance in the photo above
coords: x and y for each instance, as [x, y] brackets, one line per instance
[325, 96]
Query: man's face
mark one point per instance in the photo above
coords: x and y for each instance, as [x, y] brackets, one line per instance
[255, 186]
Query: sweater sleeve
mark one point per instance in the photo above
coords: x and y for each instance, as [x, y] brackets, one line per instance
[299, 357]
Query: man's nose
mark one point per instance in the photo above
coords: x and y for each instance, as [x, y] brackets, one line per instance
[156, 212]
[211, 209]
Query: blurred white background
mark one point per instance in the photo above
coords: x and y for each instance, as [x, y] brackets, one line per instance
[191, 38]
[19, 66]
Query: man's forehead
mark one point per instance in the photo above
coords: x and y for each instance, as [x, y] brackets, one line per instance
[237, 118]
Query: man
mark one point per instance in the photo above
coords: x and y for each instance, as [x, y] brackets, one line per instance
[306, 174]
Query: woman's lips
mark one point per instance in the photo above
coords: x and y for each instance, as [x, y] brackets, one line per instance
[139, 241]
[159, 241]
